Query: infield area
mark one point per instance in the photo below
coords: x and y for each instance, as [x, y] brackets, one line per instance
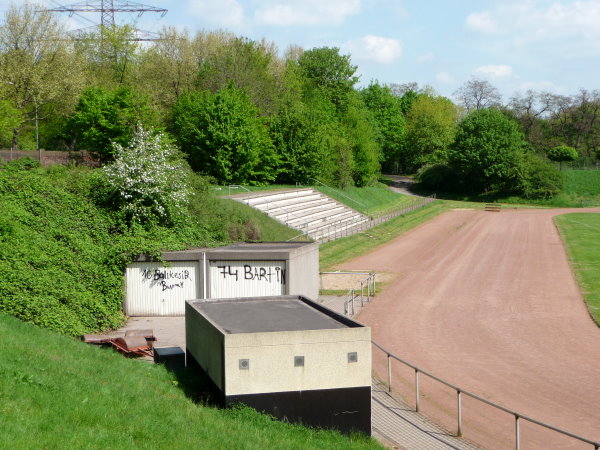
[488, 302]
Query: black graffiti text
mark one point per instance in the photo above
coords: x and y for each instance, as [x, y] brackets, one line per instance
[167, 278]
[268, 274]
[228, 271]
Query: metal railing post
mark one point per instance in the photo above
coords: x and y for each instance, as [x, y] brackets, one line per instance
[417, 390]
[517, 433]
[389, 372]
[361, 294]
[459, 414]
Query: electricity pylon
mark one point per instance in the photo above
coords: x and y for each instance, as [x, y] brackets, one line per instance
[107, 10]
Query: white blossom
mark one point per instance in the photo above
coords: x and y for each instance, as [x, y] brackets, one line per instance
[149, 177]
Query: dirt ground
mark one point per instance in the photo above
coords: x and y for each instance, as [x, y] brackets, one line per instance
[488, 302]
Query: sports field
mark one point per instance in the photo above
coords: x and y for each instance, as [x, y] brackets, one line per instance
[489, 302]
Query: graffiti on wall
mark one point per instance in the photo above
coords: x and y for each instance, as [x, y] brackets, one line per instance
[269, 274]
[167, 278]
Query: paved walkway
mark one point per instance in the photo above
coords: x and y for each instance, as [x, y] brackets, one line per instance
[395, 424]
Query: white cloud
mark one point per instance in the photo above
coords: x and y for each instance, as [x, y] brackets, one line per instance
[306, 12]
[527, 21]
[224, 13]
[495, 70]
[482, 22]
[444, 78]
[375, 48]
[426, 57]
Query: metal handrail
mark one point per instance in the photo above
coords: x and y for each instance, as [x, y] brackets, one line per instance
[460, 391]
[358, 225]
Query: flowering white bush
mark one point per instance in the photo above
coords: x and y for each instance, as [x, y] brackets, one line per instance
[150, 178]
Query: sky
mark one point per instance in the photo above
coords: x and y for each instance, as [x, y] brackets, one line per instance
[515, 45]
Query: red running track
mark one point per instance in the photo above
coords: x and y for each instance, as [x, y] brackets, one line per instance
[488, 302]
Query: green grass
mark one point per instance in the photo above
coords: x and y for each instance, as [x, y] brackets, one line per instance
[336, 252]
[370, 200]
[581, 233]
[59, 393]
[243, 216]
[582, 183]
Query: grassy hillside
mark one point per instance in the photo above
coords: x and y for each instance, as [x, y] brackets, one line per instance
[59, 393]
[581, 233]
[582, 183]
[63, 247]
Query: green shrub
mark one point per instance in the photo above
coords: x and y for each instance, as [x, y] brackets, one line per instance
[62, 257]
[436, 177]
[539, 180]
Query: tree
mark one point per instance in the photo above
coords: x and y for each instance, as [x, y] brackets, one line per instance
[430, 129]
[10, 118]
[330, 72]
[168, 69]
[111, 55]
[487, 152]
[246, 64]
[301, 135]
[361, 130]
[562, 153]
[387, 111]
[477, 94]
[39, 73]
[103, 117]
[224, 136]
[148, 178]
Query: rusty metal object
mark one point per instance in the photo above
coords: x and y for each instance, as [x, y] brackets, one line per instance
[134, 343]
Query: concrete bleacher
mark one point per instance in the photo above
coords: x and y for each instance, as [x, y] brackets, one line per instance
[307, 210]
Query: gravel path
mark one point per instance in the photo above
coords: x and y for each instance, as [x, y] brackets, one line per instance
[488, 302]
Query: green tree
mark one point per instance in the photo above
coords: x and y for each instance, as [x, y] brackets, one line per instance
[168, 69]
[10, 118]
[302, 134]
[111, 54]
[387, 111]
[224, 136]
[39, 73]
[362, 133]
[332, 73]
[487, 152]
[562, 153]
[247, 65]
[102, 117]
[430, 129]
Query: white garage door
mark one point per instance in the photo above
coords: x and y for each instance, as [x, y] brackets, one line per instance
[230, 279]
[156, 290]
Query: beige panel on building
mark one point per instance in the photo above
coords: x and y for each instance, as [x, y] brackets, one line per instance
[156, 289]
[229, 279]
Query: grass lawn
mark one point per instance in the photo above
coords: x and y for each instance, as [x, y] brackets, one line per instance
[582, 183]
[370, 200]
[581, 233]
[56, 393]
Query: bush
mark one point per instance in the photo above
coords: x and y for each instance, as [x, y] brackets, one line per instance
[436, 177]
[539, 180]
[149, 179]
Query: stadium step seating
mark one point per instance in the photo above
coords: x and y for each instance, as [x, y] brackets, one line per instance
[307, 210]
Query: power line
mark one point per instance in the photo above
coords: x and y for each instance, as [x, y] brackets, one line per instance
[108, 9]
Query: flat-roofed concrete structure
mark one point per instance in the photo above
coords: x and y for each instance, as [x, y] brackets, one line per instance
[238, 270]
[284, 355]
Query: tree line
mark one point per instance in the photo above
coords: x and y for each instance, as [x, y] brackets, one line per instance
[244, 113]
